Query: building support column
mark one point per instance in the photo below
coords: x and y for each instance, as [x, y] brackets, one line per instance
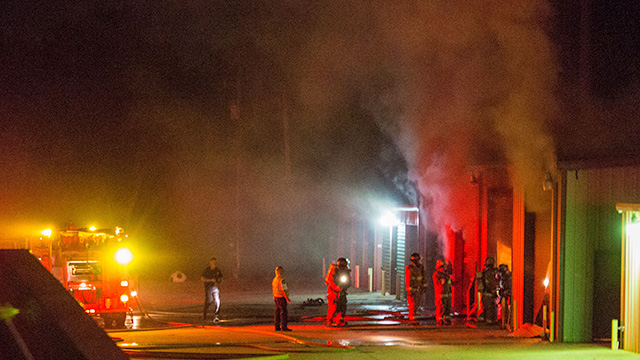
[517, 252]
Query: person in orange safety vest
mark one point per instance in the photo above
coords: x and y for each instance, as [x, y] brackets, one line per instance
[281, 298]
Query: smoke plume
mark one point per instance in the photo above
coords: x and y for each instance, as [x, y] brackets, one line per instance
[454, 84]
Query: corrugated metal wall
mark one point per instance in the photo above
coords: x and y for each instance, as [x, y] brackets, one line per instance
[630, 310]
[387, 258]
[592, 248]
[400, 257]
[393, 259]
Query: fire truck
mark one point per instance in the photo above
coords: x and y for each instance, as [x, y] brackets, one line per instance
[92, 265]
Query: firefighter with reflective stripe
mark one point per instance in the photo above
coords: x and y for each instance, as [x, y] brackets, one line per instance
[504, 276]
[488, 286]
[415, 279]
[338, 280]
[442, 284]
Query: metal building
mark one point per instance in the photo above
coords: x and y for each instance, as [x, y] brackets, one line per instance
[589, 254]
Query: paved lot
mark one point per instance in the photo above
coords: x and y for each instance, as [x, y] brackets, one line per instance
[377, 330]
[381, 342]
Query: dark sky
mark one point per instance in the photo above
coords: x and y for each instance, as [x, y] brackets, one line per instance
[118, 113]
[608, 126]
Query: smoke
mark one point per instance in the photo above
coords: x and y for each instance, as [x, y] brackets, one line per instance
[121, 113]
[523, 116]
[454, 84]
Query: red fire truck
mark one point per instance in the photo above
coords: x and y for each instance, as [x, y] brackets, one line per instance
[92, 265]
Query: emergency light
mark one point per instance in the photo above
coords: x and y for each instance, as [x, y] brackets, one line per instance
[124, 256]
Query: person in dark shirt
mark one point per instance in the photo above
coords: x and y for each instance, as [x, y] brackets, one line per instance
[211, 277]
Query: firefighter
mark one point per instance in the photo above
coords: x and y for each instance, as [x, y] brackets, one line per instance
[211, 277]
[338, 280]
[442, 284]
[488, 286]
[415, 281]
[504, 276]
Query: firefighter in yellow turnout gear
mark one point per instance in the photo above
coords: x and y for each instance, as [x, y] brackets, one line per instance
[442, 284]
[338, 280]
[415, 281]
[488, 285]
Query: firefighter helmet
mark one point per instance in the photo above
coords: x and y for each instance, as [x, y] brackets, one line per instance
[439, 264]
[415, 257]
[489, 262]
[342, 263]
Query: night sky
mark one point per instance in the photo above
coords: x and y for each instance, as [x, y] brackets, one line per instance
[119, 113]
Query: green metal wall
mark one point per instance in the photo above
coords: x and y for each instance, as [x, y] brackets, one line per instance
[578, 269]
[592, 250]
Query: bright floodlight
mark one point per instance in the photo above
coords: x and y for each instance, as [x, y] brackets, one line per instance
[389, 219]
[124, 256]
[46, 232]
[633, 230]
[343, 279]
[92, 228]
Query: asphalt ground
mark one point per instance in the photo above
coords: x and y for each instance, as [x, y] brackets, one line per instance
[375, 342]
[170, 327]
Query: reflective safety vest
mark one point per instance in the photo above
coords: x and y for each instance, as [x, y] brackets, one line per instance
[279, 287]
